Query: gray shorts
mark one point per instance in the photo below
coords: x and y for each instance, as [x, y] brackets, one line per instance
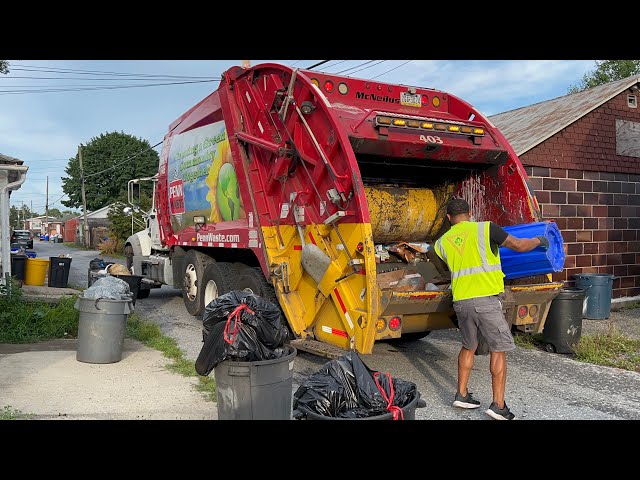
[483, 314]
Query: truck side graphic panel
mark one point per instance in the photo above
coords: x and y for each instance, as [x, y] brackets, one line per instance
[202, 179]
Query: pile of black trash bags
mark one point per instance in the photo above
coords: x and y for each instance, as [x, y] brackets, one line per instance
[346, 388]
[247, 337]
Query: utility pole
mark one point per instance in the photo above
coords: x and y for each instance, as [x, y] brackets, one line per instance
[24, 218]
[46, 211]
[85, 230]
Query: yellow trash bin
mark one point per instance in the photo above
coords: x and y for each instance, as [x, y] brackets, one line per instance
[36, 271]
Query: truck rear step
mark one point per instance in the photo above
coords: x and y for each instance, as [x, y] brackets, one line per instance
[318, 348]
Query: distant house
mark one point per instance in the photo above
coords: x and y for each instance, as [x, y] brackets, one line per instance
[582, 155]
[97, 221]
[44, 225]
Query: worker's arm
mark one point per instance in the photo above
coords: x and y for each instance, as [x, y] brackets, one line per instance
[502, 238]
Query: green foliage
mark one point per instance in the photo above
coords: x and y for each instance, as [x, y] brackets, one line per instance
[55, 213]
[607, 71]
[18, 212]
[121, 223]
[609, 348]
[25, 322]
[108, 150]
[10, 413]
[4, 66]
[151, 335]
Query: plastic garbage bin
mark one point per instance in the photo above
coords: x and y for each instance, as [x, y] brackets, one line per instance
[59, 268]
[36, 271]
[563, 326]
[598, 289]
[18, 265]
[101, 329]
[260, 390]
[134, 284]
[537, 261]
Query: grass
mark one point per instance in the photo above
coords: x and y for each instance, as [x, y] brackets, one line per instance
[150, 335]
[10, 413]
[75, 245]
[610, 348]
[26, 322]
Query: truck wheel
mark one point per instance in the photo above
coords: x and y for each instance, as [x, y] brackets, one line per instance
[128, 253]
[144, 292]
[195, 263]
[251, 279]
[216, 281]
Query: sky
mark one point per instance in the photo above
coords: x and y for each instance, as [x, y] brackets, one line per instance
[44, 128]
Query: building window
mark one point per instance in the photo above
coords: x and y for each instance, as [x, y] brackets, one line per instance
[628, 138]
[632, 102]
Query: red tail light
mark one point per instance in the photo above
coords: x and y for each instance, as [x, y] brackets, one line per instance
[328, 86]
[394, 323]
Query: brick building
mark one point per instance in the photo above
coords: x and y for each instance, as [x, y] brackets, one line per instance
[582, 155]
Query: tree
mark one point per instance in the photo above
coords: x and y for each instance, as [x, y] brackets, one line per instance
[17, 215]
[607, 71]
[55, 213]
[121, 223]
[4, 66]
[109, 162]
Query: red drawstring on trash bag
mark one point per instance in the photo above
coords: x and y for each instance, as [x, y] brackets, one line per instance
[398, 414]
[230, 334]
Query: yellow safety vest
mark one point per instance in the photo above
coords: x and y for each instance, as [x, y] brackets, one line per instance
[475, 267]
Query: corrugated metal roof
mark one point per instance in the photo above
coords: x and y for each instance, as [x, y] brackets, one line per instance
[526, 127]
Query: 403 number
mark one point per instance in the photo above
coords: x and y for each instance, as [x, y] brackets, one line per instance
[431, 139]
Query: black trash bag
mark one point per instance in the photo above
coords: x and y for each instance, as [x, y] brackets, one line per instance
[346, 388]
[98, 264]
[257, 336]
[267, 319]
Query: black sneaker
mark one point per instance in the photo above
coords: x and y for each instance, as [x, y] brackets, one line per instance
[499, 413]
[465, 402]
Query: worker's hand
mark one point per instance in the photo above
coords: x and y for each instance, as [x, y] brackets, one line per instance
[544, 242]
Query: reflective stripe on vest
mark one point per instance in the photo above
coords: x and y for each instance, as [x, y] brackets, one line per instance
[490, 281]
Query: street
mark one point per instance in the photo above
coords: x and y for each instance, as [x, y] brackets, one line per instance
[540, 385]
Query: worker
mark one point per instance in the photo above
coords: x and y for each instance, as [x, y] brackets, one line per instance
[470, 251]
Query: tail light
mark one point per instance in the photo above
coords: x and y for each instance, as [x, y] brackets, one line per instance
[328, 86]
[381, 324]
[395, 323]
[522, 311]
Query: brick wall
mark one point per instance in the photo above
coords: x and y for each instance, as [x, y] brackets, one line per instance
[593, 195]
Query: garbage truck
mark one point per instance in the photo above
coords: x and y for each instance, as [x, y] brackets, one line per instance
[324, 193]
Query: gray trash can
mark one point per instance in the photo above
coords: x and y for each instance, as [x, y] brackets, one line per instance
[598, 289]
[260, 390]
[101, 329]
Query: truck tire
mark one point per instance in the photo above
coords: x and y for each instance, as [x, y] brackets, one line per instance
[252, 279]
[195, 263]
[144, 292]
[216, 281]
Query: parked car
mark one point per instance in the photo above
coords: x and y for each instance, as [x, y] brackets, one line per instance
[22, 237]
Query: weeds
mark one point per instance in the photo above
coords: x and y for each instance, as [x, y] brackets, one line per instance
[610, 348]
[151, 335]
[10, 413]
[26, 322]
[526, 340]
[110, 246]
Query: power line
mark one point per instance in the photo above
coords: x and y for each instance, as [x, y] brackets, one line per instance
[124, 161]
[351, 68]
[102, 87]
[132, 79]
[367, 67]
[392, 69]
[317, 64]
[44, 69]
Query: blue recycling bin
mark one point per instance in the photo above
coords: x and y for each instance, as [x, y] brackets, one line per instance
[598, 289]
[538, 261]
